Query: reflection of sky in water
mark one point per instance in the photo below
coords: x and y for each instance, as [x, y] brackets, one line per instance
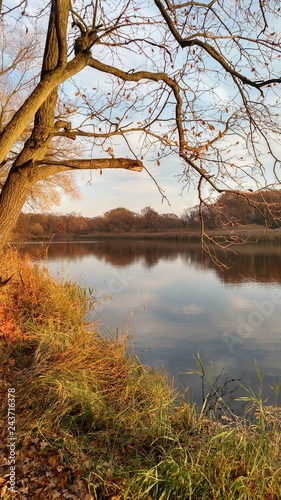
[175, 310]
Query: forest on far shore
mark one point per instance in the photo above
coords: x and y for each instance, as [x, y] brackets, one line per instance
[228, 210]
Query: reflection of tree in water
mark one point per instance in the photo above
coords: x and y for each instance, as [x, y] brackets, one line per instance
[255, 266]
[116, 252]
[258, 262]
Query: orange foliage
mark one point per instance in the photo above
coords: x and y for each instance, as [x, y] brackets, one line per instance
[9, 329]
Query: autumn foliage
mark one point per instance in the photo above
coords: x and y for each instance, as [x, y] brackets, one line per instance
[117, 220]
[229, 210]
[33, 299]
[9, 330]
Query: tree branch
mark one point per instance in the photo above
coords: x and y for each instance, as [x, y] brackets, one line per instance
[130, 77]
[61, 18]
[26, 112]
[184, 42]
[47, 168]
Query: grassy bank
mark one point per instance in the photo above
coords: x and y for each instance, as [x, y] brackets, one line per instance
[250, 233]
[93, 423]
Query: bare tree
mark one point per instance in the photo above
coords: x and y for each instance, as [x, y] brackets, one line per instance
[19, 69]
[198, 80]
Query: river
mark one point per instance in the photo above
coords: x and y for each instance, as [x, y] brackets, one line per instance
[174, 305]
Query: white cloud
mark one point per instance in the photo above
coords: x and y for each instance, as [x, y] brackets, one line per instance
[132, 190]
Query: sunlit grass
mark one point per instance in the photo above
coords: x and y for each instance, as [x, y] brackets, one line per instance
[118, 424]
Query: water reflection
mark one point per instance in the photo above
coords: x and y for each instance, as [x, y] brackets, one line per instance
[178, 305]
[257, 262]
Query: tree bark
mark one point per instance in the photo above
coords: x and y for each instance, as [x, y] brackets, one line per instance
[12, 200]
[48, 168]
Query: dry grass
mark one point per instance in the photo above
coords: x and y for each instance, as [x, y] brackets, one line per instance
[250, 232]
[93, 423]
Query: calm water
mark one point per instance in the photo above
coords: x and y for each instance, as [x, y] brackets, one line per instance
[177, 306]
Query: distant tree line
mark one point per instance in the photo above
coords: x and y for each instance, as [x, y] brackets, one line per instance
[231, 210]
[261, 207]
[118, 220]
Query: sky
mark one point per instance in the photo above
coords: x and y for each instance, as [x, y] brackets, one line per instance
[131, 190]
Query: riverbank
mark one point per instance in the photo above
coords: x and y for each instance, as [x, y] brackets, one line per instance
[238, 235]
[91, 422]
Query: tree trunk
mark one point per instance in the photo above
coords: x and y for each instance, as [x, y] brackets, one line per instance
[12, 199]
[23, 172]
